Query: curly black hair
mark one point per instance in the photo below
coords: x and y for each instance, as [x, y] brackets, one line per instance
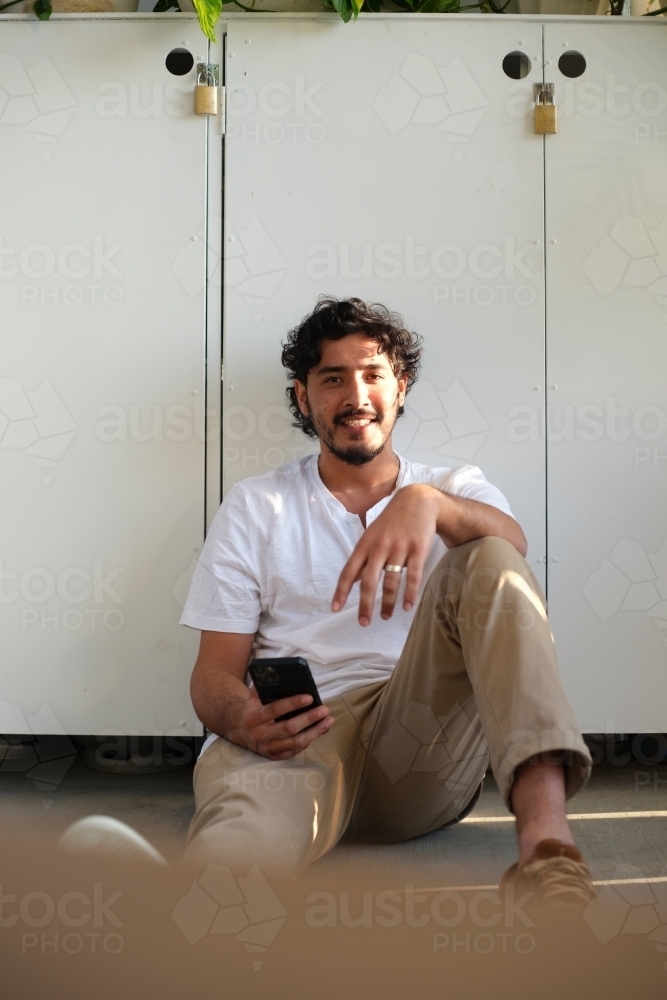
[333, 319]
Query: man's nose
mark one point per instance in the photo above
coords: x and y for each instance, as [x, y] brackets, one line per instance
[357, 394]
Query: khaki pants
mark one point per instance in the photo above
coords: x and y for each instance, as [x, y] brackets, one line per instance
[477, 677]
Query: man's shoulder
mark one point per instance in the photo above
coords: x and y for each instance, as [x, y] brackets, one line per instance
[467, 481]
[257, 502]
[442, 477]
[276, 481]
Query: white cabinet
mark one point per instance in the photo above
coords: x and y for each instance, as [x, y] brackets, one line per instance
[386, 161]
[102, 397]
[396, 161]
[606, 212]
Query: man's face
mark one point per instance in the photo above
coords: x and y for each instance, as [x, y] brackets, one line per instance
[352, 397]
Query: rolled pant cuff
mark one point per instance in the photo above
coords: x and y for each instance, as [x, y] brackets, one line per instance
[569, 747]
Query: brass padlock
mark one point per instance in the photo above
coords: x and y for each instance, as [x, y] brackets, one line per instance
[207, 92]
[546, 118]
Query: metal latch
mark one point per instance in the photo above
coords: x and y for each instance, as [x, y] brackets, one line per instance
[546, 120]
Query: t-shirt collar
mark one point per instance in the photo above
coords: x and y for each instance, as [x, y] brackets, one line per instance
[336, 505]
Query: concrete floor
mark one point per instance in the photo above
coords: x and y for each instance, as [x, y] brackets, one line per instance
[160, 807]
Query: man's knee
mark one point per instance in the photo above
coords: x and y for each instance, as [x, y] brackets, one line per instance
[481, 569]
[483, 556]
[487, 551]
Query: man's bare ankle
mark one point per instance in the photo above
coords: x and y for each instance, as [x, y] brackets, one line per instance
[533, 835]
[538, 800]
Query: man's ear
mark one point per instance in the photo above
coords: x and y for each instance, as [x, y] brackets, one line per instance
[402, 387]
[301, 397]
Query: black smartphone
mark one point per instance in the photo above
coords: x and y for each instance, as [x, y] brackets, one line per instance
[282, 677]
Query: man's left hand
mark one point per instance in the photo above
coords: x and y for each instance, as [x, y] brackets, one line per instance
[401, 536]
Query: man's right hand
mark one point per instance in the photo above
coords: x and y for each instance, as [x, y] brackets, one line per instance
[226, 706]
[260, 732]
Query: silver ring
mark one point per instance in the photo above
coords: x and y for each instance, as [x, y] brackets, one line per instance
[390, 568]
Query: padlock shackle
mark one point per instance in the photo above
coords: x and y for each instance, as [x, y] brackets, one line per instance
[544, 93]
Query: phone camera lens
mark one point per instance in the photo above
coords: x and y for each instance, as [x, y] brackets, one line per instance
[267, 675]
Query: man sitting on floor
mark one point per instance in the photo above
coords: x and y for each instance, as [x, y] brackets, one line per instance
[405, 588]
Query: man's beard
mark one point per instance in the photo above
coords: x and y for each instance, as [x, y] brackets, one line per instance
[356, 454]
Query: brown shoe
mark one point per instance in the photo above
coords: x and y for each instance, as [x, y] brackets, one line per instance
[557, 873]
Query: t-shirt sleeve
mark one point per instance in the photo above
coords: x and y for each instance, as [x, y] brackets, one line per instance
[470, 483]
[225, 594]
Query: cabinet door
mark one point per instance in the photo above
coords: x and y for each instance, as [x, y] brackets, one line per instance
[395, 162]
[606, 217]
[102, 388]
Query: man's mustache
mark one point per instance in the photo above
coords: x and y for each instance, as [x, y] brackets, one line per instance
[340, 418]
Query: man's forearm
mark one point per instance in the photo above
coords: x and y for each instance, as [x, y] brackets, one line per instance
[461, 521]
[219, 699]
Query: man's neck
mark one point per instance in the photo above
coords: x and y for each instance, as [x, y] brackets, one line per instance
[359, 487]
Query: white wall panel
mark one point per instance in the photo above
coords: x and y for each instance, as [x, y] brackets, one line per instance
[607, 365]
[391, 160]
[103, 290]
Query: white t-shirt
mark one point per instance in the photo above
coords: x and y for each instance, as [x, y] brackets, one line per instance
[272, 559]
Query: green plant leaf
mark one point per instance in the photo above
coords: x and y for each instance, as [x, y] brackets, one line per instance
[344, 8]
[208, 12]
[374, 6]
[42, 9]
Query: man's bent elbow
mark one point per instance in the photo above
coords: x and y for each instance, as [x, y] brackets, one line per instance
[519, 541]
[200, 694]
